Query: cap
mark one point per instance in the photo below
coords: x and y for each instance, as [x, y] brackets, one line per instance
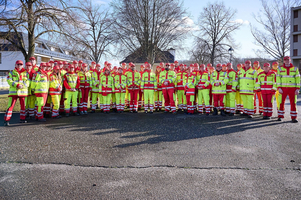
[65, 63]
[105, 69]
[167, 64]
[80, 62]
[109, 64]
[219, 65]
[32, 58]
[51, 61]
[56, 67]
[229, 64]
[123, 63]
[224, 65]
[60, 62]
[239, 65]
[256, 62]
[209, 65]
[43, 64]
[48, 64]
[142, 66]
[176, 61]
[98, 65]
[115, 67]
[202, 65]
[74, 62]
[93, 62]
[119, 68]
[84, 65]
[28, 64]
[196, 64]
[275, 63]
[286, 58]
[72, 66]
[266, 64]
[248, 62]
[19, 62]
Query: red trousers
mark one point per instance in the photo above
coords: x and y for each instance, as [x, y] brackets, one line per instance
[290, 92]
[169, 101]
[219, 101]
[267, 104]
[134, 100]
[259, 96]
[62, 107]
[140, 102]
[84, 100]
[12, 102]
[190, 107]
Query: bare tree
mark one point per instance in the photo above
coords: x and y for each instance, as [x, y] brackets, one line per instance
[274, 34]
[34, 17]
[216, 23]
[149, 25]
[91, 31]
[200, 52]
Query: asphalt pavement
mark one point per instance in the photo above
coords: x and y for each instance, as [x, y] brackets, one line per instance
[151, 156]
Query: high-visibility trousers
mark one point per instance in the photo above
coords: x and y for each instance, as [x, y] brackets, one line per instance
[140, 99]
[90, 98]
[267, 104]
[133, 99]
[203, 96]
[11, 103]
[47, 107]
[149, 99]
[107, 102]
[100, 99]
[71, 96]
[127, 97]
[56, 104]
[182, 102]
[113, 101]
[94, 98]
[239, 103]
[190, 100]
[230, 102]
[158, 99]
[83, 106]
[219, 101]
[120, 101]
[258, 94]
[248, 101]
[41, 101]
[62, 100]
[169, 99]
[277, 99]
[290, 92]
[30, 104]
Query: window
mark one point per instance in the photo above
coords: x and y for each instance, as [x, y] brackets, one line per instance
[295, 28]
[295, 38]
[295, 52]
[295, 13]
[0, 58]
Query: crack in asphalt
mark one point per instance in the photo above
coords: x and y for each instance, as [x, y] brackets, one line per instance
[152, 166]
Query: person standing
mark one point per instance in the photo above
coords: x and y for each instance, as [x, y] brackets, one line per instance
[31, 98]
[203, 83]
[231, 90]
[247, 88]
[106, 88]
[219, 80]
[85, 87]
[18, 80]
[55, 90]
[134, 79]
[167, 79]
[158, 93]
[257, 67]
[189, 85]
[95, 87]
[71, 83]
[120, 88]
[288, 83]
[148, 88]
[268, 86]
[182, 104]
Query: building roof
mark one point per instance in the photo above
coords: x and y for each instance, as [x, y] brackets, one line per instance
[139, 57]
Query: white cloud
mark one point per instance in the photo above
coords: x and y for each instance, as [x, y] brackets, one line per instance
[241, 21]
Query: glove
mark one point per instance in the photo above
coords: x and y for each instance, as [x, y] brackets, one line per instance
[297, 92]
[280, 91]
[165, 83]
[217, 84]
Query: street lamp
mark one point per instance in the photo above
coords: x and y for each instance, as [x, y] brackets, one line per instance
[230, 50]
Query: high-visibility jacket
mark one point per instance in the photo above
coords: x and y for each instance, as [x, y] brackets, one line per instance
[95, 81]
[179, 80]
[233, 80]
[63, 72]
[31, 75]
[55, 84]
[247, 81]
[203, 80]
[40, 84]
[16, 78]
[169, 77]
[133, 79]
[120, 83]
[288, 77]
[159, 85]
[189, 84]
[71, 81]
[85, 79]
[106, 85]
[148, 81]
[267, 82]
[220, 78]
[92, 70]
[36, 68]
[258, 70]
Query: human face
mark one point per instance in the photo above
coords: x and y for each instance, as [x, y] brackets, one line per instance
[219, 68]
[266, 69]
[275, 67]
[19, 66]
[247, 66]
[33, 62]
[28, 68]
[229, 67]
[72, 69]
[120, 71]
[133, 68]
[287, 62]
[107, 72]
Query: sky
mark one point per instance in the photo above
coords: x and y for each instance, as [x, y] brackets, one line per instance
[243, 37]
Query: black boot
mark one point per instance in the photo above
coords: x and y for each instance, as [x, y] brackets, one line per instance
[223, 113]
[214, 111]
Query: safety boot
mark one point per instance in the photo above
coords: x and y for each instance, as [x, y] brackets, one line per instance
[223, 113]
[214, 111]
[294, 120]
[6, 123]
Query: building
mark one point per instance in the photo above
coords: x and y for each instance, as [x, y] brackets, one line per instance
[44, 51]
[138, 58]
[295, 41]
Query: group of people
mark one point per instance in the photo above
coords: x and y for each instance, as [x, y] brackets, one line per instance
[59, 88]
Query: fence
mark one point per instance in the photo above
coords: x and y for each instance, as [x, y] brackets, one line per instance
[3, 83]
